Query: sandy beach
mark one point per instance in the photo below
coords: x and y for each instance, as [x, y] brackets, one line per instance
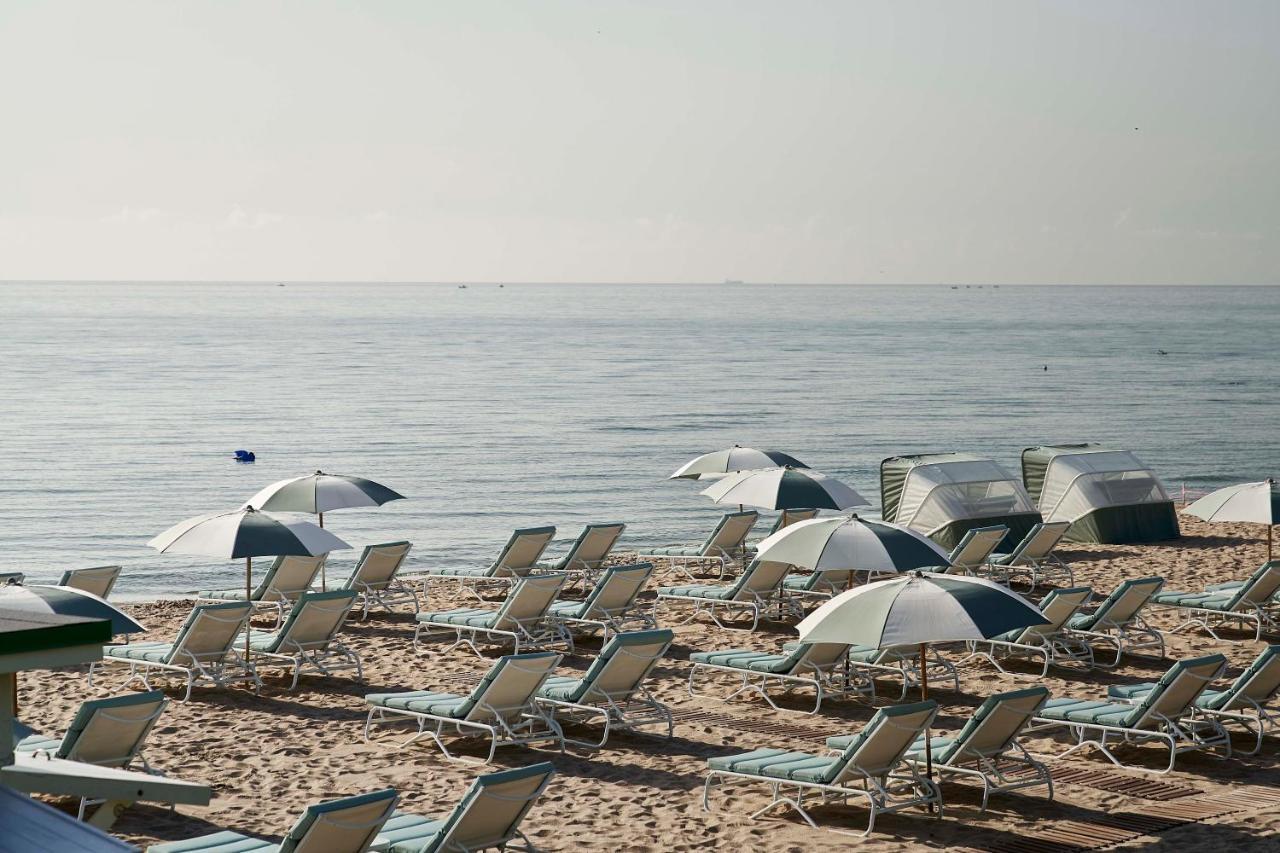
[268, 756]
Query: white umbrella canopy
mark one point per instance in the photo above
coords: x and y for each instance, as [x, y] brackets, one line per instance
[319, 493]
[852, 544]
[247, 533]
[784, 488]
[1256, 503]
[66, 601]
[732, 460]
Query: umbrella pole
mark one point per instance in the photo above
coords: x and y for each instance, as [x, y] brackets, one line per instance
[323, 585]
[924, 694]
[1268, 543]
[248, 593]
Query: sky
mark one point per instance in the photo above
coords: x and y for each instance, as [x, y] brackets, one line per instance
[1025, 141]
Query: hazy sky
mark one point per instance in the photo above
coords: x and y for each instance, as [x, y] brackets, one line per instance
[1020, 141]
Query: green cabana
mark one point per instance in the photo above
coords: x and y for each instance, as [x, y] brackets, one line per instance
[944, 495]
[1109, 496]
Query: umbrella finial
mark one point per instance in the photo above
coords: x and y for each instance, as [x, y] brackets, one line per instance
[318, 471]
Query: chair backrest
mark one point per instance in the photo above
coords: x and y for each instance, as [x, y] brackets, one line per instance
[761, 576]
[289, 577]
[529, 599]
[617, 589]
[1257, 684]
[348, 825]
[1178, 688]
[378, 565]
[788, 517]
[977, 545]
[730, 533]
[1124, 602]
[1058, 606]
[99, 580]
[12, 577]
[315, 620]
[624, 662]
[1260, 586]
[995, 725]
[507, 688]
[110, 732]
[493, 807]
[883, 741]
[1039, 542]
[522, 551]
[809, 657]
[210, 631]
[593, 545]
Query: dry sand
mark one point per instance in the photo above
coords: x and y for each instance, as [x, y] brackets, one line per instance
[268, 756]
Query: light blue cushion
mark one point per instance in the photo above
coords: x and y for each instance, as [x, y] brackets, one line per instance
[714, 592]
[410, 833]
[219, 842]
[473, 617]
[153, 652]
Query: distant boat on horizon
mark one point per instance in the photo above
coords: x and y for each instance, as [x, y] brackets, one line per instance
[733, 281]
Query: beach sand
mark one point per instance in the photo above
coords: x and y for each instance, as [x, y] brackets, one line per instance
[270, 755]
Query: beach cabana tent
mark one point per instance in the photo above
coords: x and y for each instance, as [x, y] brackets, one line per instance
[944, 495]
[1109, 496]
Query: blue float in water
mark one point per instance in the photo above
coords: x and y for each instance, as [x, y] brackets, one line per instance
[245, 456]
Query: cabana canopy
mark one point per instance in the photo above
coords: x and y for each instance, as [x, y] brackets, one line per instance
[1109, 496]
[944, 495]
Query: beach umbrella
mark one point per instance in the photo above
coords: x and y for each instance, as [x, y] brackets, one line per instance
[852, 544]
[736, 458]
[319, 493]
[66, 601]
[784, 488]
[1258, 503]
[919, 609]
[247, 533]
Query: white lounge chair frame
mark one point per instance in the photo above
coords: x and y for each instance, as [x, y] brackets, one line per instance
[384, 588]
[1051, 642]
[760, 588]
[824, 667]
[310, 644]
[531, 628]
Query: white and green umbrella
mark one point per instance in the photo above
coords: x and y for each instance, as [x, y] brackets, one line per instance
[919, 609]
[784, 488]
[246, 533]
[66, 601]
[319, 493]
[721, 462]
[852, 544]
[1256, 503]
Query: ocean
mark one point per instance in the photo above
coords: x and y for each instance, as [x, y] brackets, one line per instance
[496, 407]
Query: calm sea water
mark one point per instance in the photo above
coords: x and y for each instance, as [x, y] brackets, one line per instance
[500, 407]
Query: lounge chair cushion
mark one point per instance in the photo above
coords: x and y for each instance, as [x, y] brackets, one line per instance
[568, 609]
[465, 572]
[28, 740]
[746, 659]
[779, 764]
[1206, 600]
[677, 551]
[408, 832]
[223, 594]
[152, 652]
[424, 702]
[1209, 700]
[472, 617]
[562, 688]
[219, 842]
[1089, 711]
[715, 592]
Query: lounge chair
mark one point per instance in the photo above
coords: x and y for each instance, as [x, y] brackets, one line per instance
[821, 585]
[613, 688]
[104, 732]
[974, 550]
[1246, 604]
[1051, 641]
[375, 578]
[1244, 701]
[501, 707]
[987, 746]
[11, 578]
[308, 640]
[522, 619]
[756, 590]
[1163, 715]
[588, 553]
[489, 815]
[203, 649]
[1034, 557]
[872, 766]
[611, 606]
[904, 662]
[99, 580]
[348, 825]
[1117, 621]
[816, 665]
[725, 546]
[1218, 587]
[785, 519]
[288, 578]
[516, 560]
